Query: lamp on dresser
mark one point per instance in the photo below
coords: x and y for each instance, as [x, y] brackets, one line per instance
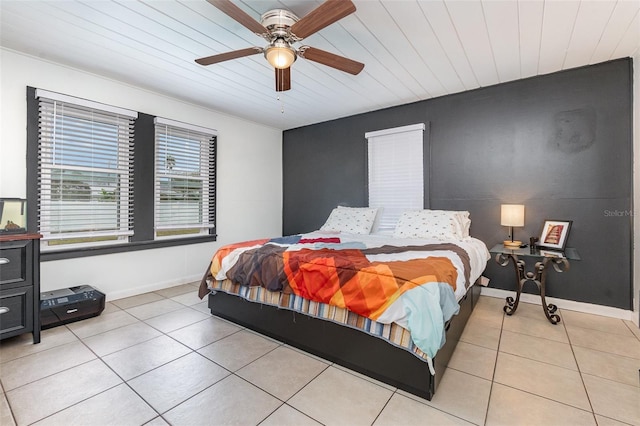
[512, 215]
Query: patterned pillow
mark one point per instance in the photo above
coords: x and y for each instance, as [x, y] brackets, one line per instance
[438, 224]
[351, 220]
[465, 222]
[462, 218]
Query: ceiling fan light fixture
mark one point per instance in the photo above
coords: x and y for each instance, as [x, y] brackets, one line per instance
[280, 55]
[282, 29]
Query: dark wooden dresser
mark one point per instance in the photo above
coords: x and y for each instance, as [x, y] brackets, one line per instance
[20, 285]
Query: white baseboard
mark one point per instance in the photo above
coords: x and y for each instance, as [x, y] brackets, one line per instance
[114, 295]
[570, 305]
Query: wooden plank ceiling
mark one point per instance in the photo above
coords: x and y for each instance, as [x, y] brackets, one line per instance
[412, 49]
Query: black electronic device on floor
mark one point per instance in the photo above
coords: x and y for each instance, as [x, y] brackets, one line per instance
[70, 304]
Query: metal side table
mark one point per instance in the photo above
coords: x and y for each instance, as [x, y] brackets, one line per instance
[543, 259]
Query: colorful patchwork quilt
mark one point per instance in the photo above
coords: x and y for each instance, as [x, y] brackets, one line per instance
[414, 285]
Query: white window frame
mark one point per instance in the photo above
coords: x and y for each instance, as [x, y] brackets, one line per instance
[52, 106]
[396, 172]
[206, 139]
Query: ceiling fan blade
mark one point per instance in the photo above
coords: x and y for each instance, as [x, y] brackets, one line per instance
[283, 79]
[229, 55]
[331, 60]
[324, 15]
[240, 15]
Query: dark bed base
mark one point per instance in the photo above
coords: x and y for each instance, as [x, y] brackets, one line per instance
[348, 347]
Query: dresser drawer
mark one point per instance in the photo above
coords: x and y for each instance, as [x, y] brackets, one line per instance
[16, 311]
[13, 263]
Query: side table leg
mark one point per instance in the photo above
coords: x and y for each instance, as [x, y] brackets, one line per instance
[538, 276]
[550, 309]
[512, 305]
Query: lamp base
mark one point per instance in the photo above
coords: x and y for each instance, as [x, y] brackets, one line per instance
[512, 244]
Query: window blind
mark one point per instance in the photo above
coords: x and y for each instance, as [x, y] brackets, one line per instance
[85, 165]
[184, 179]
[396, 176]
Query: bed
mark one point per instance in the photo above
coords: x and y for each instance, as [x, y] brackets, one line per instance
[383, 304]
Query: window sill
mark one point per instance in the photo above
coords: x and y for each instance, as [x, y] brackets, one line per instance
[122, 248]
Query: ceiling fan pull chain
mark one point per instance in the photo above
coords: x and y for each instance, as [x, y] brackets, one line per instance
[281, 104]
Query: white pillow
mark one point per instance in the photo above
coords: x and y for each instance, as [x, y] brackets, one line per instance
[351, 220]
[465, 222]
[462, 216]
[438, 224]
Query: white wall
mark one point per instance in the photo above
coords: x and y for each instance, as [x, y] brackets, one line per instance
[636, 187]
[249, 186]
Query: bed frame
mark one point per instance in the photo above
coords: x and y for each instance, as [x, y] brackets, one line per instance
[346, 346]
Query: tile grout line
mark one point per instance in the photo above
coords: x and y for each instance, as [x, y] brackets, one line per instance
[383, 407]
[100, 358]
[97, 358]
[495, 367]
[281, 344]
[231, 373]
[192, 351]
[584, 386]
[79, 340]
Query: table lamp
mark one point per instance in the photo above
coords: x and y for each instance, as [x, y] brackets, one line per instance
[512, 215]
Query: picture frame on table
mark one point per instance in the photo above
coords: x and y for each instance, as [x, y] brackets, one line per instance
[554, 234]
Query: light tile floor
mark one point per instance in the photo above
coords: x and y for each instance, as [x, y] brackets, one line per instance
[161, 358]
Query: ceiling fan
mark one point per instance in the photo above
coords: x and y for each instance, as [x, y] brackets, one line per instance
[281, 28]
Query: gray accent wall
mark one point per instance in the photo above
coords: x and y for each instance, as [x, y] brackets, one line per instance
[561, 144]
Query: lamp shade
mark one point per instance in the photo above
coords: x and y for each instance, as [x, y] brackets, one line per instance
[280, 55]
[512, 215]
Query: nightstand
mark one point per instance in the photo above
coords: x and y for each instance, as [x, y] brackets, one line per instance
[20, 285]
[544, 259]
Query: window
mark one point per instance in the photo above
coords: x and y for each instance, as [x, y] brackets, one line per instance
[396, 177]
[184, 179]
[102, 179]
[85, 152]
